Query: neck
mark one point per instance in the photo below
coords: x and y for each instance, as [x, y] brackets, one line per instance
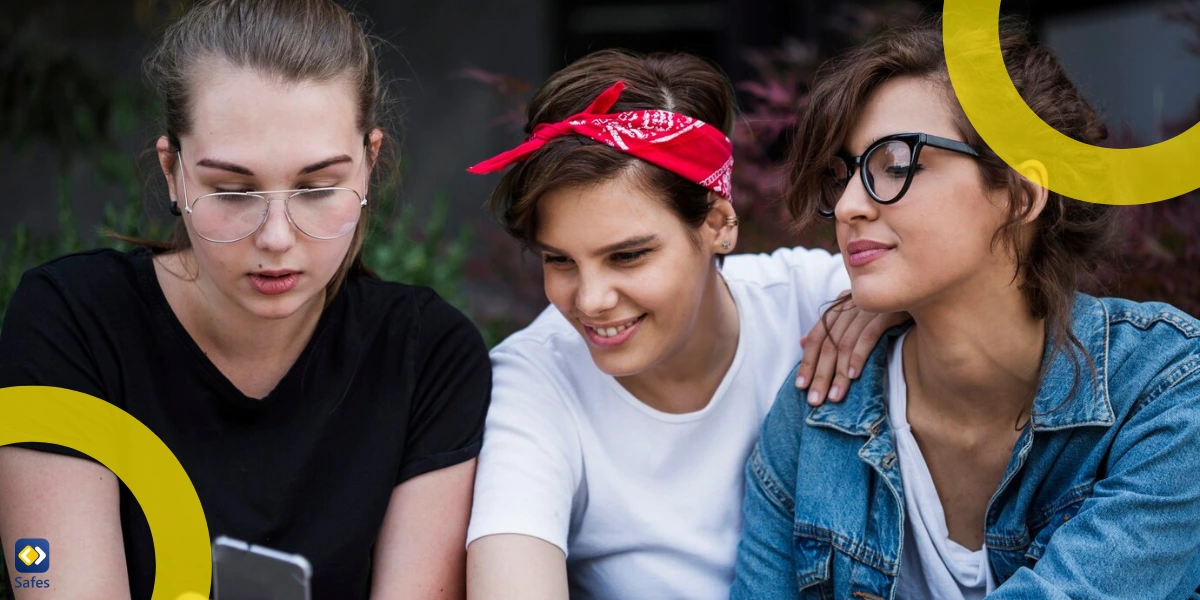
[686, 380]
[976, 359]
[219, 326]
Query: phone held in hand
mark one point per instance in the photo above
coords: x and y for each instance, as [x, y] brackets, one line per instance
[243, 571]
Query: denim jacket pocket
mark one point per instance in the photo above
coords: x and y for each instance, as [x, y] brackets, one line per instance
[1041, 538]
[814, 563]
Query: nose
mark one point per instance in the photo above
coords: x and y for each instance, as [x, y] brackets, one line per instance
[595, 295]
[277, 233]
[855, 202]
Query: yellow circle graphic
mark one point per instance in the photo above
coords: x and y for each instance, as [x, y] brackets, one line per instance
[971, 33]
[133, 453]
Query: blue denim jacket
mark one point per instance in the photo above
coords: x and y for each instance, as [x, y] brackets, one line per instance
[1101, 498]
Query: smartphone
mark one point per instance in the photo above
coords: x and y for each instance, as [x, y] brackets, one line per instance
[243, 571]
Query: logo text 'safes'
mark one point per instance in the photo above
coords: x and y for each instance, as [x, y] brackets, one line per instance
[33, 556]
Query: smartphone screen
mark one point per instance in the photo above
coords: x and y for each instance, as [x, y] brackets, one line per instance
[242, 571]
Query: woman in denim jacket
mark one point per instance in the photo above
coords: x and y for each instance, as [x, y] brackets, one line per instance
[1021, 439]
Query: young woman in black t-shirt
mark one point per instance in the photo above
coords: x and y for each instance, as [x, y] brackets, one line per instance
[315, 408]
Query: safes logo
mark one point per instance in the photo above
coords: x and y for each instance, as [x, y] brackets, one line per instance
[33, 556]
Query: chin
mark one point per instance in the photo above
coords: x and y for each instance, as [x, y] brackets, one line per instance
[275, 308]
[877, 296]
[623, 363]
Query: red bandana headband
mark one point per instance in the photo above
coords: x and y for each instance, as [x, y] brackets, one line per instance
[680, 144]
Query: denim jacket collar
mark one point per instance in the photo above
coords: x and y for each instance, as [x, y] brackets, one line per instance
[1056, 406]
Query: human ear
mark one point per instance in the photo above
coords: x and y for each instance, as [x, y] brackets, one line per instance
[374, 141]
[1038, 194]
[721, 226]
[167, 159]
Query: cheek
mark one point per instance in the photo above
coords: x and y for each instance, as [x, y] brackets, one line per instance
[217, 259]
[320, 258]
[673, 288]
[559, 288]
[330, 253]
[952, 242]
[842, 232]
[964, 230]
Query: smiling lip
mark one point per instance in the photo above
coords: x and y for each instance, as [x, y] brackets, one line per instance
[274, 282]
[861, 252]
[593, 337]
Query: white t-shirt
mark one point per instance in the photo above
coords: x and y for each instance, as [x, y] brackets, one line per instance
[644, 504]
[932, 566]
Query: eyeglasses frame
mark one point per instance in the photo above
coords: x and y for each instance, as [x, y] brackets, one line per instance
[916, 142]
[261, 195]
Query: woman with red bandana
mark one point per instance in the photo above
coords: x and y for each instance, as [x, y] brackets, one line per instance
[621, 419]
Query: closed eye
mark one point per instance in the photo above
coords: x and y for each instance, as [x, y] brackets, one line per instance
[626, 258]
[901, 171]
[554, 259]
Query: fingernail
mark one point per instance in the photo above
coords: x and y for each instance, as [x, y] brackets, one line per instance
[835, 393]
[813, 398]
[853, 372]
[800, 381]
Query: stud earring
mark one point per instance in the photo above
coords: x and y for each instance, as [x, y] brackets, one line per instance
[725, 245]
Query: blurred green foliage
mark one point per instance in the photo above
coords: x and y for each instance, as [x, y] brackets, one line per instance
[402, 247]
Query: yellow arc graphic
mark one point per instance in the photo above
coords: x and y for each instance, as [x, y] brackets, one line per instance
[134, 454]
[971, 33]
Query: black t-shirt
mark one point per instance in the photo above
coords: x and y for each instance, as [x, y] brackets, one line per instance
[394, 383]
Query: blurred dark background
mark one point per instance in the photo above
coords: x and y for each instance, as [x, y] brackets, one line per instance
[75, 116]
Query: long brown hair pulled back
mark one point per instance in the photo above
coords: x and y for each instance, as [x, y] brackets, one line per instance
[296, 40]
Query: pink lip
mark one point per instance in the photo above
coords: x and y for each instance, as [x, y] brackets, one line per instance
[617, 340]
[274, 282]
[275, 272]
[862, 252]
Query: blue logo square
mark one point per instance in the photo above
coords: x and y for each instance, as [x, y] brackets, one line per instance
[32, 555]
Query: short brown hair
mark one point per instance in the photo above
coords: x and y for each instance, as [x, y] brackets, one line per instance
[677, 82]
[1067, 241]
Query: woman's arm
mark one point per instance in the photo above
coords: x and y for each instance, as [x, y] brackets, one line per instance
[420, 550]
[515, 567]
[74, 504]
[419, 553]
[71, 502]
[530, 470]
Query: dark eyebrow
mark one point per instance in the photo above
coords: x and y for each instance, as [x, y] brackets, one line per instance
[628, 244]
[213, 163]
[329, 162]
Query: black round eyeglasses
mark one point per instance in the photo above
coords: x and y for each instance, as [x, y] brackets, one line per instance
[890, 163]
